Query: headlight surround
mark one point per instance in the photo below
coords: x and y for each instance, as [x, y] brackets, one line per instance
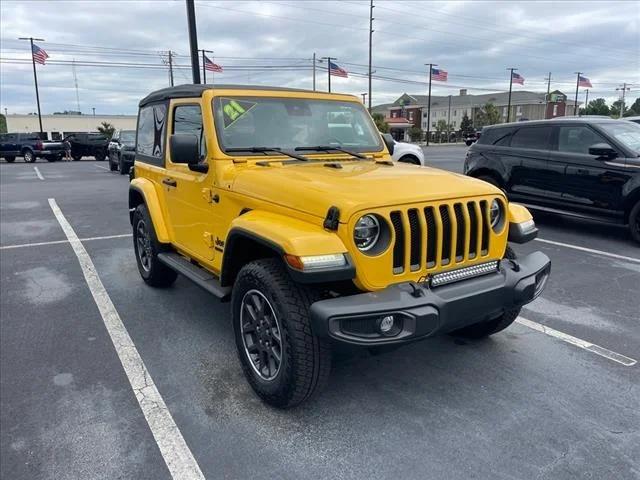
[497, 215]
[366, 232]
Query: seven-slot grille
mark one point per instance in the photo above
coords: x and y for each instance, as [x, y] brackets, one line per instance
[441, 235]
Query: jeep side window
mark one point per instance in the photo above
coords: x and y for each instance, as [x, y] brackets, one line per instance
[577, 139]
[188, 119]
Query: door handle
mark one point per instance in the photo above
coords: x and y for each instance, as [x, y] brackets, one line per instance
[583, 171]
[169, 182]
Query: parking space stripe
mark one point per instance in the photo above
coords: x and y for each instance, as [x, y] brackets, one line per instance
[39, 175]
[597, 349]
[179, 459]
[57, 242]
[589, 250]
[103, 168]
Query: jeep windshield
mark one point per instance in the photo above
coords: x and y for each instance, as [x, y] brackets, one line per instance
[293, 123]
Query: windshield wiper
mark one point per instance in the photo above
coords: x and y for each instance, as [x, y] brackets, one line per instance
[266, 150]
[326, 148]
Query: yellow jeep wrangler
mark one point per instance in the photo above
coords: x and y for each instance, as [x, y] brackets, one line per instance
[287, 203]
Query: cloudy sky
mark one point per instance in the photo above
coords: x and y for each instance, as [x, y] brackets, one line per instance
[119, 47]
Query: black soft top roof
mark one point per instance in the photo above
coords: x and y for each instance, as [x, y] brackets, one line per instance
[191, 90]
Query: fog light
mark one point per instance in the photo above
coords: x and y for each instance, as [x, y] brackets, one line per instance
[385, 325]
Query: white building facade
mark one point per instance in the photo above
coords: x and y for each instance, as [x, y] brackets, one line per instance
[57, 127]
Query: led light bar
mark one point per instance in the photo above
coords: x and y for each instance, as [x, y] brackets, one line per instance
[463, 273]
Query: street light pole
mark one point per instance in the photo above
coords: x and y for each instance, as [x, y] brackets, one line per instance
[449, 121]
[546, 102]
[511, 70]
[193, 40]
[431, 65]
[35, 76]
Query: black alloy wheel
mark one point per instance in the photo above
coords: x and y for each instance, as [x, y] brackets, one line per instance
[143, 243]
[261, 335]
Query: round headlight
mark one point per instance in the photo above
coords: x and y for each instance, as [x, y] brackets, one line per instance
[366, 232]
[495, 213]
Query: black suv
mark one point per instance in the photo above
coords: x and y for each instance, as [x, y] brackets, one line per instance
[89, 144]
[575, 166]
[122, 150]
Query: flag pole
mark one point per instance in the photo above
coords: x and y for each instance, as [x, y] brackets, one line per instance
[314, 71]
[575, 107]
[35, 77]
[328, 59]
[431, 65]
[204, 70]
[510, 88]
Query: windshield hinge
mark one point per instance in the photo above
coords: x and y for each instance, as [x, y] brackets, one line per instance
[332, 220]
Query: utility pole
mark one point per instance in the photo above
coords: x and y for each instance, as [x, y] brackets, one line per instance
[35, 76]
[431, 65]
[314, 71]
[171, 67]
[193, 41]
[624, 88]
[328, 59]
[75, 81]
[449, 121]
[511, 70]
[575, 107]
[364, 98]
[546, 100]
[371, 7]
[94, 111]
[586, 101]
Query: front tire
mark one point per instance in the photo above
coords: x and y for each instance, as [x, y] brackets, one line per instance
[484, 329]
[147, 247]
[634, 222]
[410, 159]
[282, 359]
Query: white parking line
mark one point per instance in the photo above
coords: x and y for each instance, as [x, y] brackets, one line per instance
[100, 166]
[38, 173]
[597, 349]
[174, 449]
[57, 242]
[589, 250]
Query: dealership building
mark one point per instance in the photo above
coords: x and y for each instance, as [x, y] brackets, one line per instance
[57, 127]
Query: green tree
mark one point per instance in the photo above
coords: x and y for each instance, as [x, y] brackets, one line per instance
[634, 109]
[3, 123]
[488, 115]
[466, 125]
[415, 133]
[597, 106]
[615, 109]
[107, 129]
[441, 129]
[383, 126]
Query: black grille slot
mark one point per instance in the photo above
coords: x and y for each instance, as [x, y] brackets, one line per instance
[416, 239]
[432, 237]
[484, 246]
[473, 229]
[398, 246]
[460, 222]
[446, 235]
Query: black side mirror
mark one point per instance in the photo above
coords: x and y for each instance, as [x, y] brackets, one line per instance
[185, 148]
[389, 142]
[603, 150]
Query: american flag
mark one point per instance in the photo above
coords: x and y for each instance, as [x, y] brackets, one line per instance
[336, 71]
[39, 55]
[439, 75]
[209, 65]
[584, 82]
[517, 78]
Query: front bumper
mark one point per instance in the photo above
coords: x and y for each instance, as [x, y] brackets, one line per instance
[420, 311]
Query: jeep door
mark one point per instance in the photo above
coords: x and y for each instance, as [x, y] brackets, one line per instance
[589, 183]
[528, 152]
[188, 194]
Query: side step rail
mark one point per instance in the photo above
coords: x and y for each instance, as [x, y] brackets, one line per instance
[198, 275]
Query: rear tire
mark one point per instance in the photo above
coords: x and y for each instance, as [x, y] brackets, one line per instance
[484, 329]
[100, 157]
[147, 247]
[10, 159]
[76, 157]
[634, 222]
[123, 167]
[284, 362]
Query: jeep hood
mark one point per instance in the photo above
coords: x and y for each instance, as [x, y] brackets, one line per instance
[314, 187]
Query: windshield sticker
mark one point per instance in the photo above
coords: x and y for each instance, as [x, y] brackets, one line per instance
[234, 109]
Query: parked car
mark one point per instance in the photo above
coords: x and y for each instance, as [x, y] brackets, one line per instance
[88, 145]
[30, 147]
[635, 119]
[405, 152]
[316, 240]
[576, 166]
[122, 150]
[471, 137]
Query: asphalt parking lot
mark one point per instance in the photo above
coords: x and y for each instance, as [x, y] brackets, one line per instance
[557, 404]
